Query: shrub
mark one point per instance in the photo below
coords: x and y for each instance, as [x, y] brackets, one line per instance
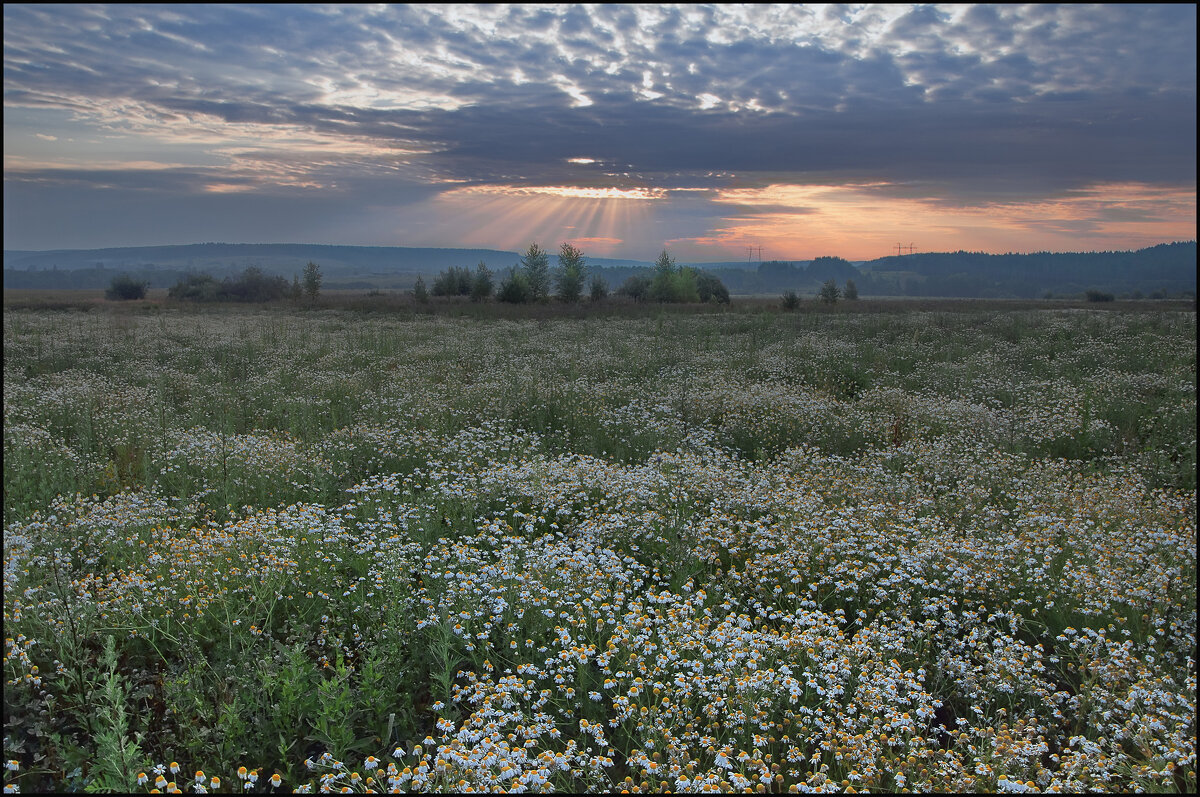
[125, 287]
[851, 292]
[196, 288]
[599, 288]
[790, 300]
[710, 288]
[454, 281]
[636, 287]
[419, 291]
[515, 287]
[1099, 296]
[253, 286]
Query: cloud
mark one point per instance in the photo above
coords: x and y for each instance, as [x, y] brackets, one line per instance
[958, 106]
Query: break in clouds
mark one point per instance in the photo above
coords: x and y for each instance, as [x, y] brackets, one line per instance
[405, 124]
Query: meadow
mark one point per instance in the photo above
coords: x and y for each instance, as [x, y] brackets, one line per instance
[259, 550]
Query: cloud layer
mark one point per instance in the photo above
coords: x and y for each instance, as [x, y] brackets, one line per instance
[368, 124]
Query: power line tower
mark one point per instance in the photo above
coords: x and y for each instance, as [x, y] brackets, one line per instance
[750, 255]
[901, 247]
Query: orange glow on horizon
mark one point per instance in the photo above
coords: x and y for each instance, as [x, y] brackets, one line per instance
[862, 222]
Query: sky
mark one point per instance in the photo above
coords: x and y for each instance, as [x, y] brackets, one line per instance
[723, 132]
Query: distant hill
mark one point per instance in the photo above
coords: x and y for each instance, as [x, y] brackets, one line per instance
[1166, 269]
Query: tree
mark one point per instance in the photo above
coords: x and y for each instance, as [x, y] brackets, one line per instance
[514, 288]
[420, 293]
[790, 300]
[599, 288]
[571, 273]
[851, 292]
[481, 285]
[196, 288]
[454, 281]
[535, 263]
[710, 288]
[312, 280]
[125, 287]
[829, 291]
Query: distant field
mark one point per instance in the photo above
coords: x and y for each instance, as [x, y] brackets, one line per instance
[888, 545]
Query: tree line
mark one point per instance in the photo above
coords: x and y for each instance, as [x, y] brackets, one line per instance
[252, 285]
[532, 280]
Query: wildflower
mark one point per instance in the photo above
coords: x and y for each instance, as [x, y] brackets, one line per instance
[174, 767]
[276, 780]
[242, 772]
[12, 765]
[142, 778]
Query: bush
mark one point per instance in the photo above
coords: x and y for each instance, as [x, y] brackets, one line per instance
[636, 287]
[254, 286]
[196, 288]
[125, 287]
[419, 291]
[710, 288]
[454, 281]
[851, 292]
[599, 289]
[515, 288]
[1099, 296]
[790, 300]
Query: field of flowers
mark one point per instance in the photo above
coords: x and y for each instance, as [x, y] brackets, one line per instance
[338, 551]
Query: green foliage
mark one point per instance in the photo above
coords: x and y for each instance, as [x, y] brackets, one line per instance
[535, 266]
[1099, 296]
[125, 287]
[420, 293]
[312, 280]
[710, 288]
[454, 281]
[118, 757]
[598, 289]
[829, 292]
[790, 300]
[571, 273]
[196, 288]
[514, 288]
[252, 285]
[482, 284]
[636, 286]
[851, 292]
